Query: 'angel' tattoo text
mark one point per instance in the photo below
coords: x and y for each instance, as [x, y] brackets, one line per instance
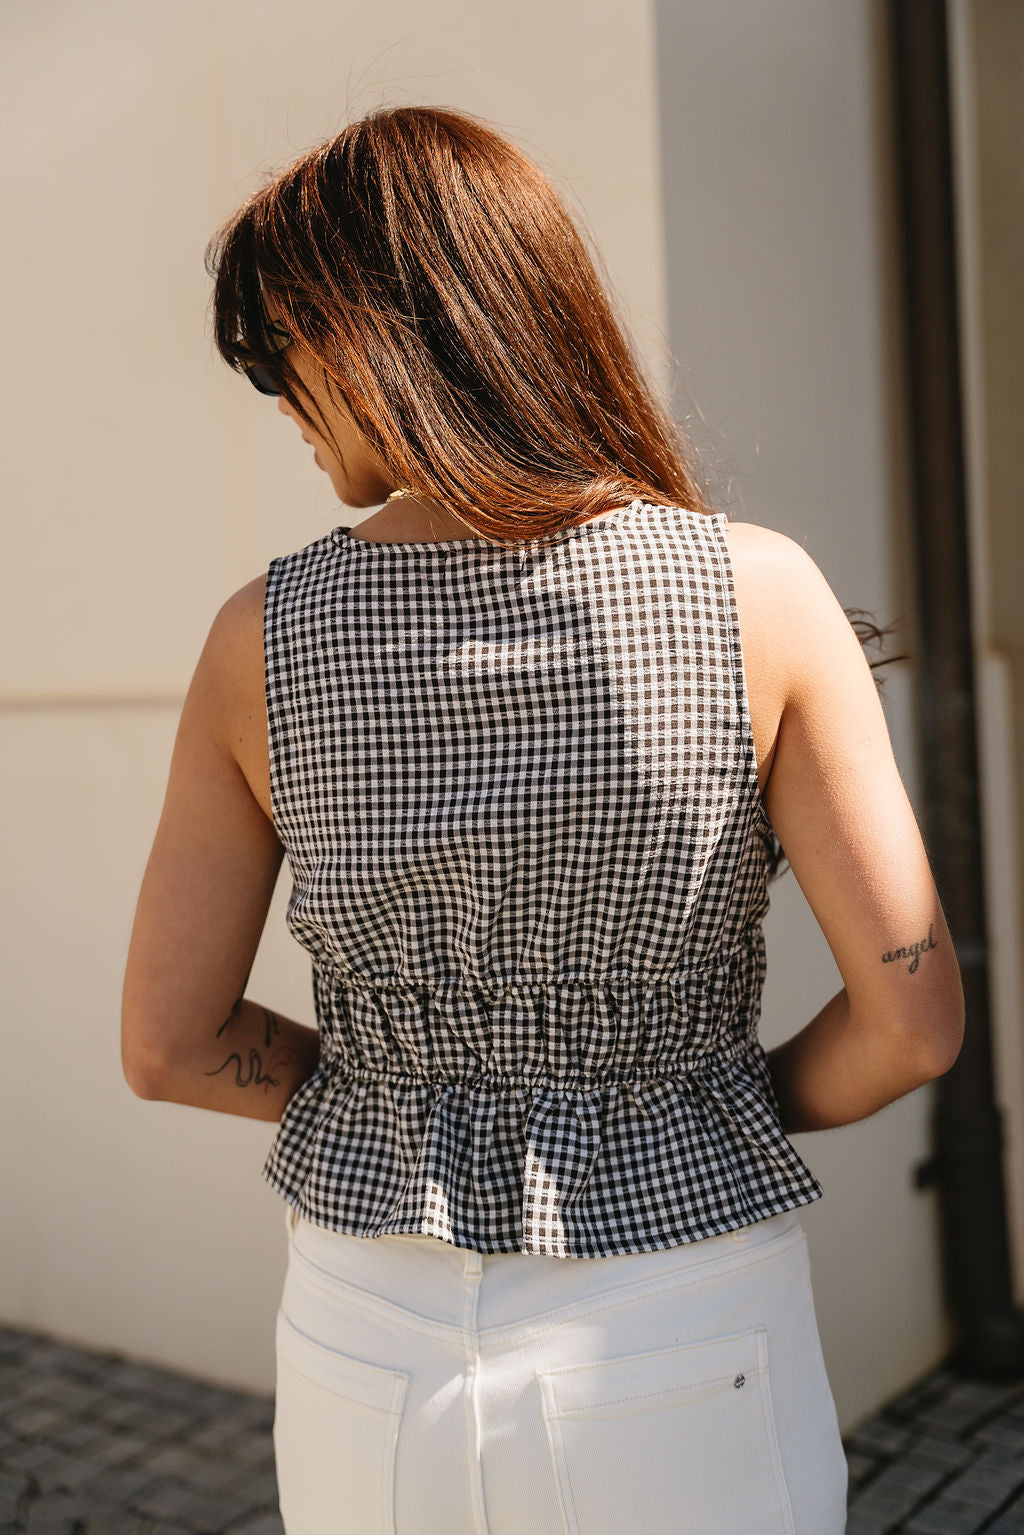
[911, 952]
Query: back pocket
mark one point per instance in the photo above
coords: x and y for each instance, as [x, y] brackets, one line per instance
[336, 1424]
[681, 1439]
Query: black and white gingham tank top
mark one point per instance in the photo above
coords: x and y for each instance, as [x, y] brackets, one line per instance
[518, 794]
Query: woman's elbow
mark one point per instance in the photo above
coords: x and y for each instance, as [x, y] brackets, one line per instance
[144, 1069]
[943, 1040]
[144, 1077]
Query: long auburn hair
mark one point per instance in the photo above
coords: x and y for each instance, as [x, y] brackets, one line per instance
[434, 275]
[438, 281]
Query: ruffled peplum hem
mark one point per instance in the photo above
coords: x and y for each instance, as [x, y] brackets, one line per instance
[635, 1165]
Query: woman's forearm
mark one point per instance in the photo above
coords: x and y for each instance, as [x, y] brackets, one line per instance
[253, 1064]
[838, 1070]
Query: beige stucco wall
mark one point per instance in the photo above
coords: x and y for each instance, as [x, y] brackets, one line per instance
[783, 307]
[988, 57]
[146, 483]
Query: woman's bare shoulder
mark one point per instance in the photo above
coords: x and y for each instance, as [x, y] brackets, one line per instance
[790, 618]
[768, 559]
[230, 677]
[242, 610]
[234, 647]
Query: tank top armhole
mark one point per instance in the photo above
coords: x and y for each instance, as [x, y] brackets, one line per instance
[762, 824]
[272, 690]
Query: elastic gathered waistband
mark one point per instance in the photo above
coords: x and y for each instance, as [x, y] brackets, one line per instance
[337, 1069]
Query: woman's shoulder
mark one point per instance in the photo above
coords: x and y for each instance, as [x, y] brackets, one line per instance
[799, 648]
[786, 606]
[235, 641]
[224, 713]
[231, 670]
[766, 552]
[244, 606]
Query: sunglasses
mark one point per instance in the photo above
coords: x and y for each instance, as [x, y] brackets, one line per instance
[261, 375]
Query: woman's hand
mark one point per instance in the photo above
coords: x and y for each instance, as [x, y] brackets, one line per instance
[187, 1035]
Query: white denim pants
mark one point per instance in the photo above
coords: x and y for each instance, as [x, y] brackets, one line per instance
[426, 1388]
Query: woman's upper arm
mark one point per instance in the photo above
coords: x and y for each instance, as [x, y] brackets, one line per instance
[839, 808]
[215, 857]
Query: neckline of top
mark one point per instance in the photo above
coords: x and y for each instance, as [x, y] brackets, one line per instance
[342, 536]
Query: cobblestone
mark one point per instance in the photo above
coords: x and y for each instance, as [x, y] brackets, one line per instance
[897, 1491]
[1006, 1434]
[860, 1467]
[947, 1519]
[202, 1473]
[1010, 1521]
[989, 1481]
[195, 1510]
[54, 1511]
[93, 1444]
[949, 1454]
[123, 1488]
[260, 1524]
[955, 1415]
[14, 1488]
[881, 1437]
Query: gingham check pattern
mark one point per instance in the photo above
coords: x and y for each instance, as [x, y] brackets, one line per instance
[518, 793]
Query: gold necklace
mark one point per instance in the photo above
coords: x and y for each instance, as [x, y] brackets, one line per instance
[403, 490]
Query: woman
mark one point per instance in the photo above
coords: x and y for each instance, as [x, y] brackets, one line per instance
[526, 735]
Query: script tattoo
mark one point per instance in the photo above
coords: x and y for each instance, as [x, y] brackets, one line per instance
[271, 1026]
[913, 952]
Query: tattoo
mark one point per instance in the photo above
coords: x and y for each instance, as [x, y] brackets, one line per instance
[914, 951]
[231, 1016]
[271, 1027]
[256, 1074]
[253, 1073]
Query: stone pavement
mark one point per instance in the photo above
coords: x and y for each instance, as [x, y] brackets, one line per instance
[92, 1444]
[944, 1458]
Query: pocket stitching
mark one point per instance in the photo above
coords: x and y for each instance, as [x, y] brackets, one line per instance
[648, 1396]
[556, 1449]
[554, 1416]
[756, 1334]
[658, 1353]
[389, 1416]
[772, 1435]
[398, 1379]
